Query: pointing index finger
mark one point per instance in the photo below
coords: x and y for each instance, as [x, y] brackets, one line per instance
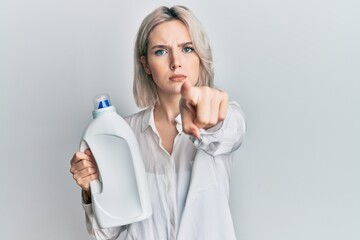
[189, 93]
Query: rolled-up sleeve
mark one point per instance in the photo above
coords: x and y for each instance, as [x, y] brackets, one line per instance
[226, 136]
[95, 231]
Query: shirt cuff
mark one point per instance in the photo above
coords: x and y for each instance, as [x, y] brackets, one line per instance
[225, 136]
[214, 130]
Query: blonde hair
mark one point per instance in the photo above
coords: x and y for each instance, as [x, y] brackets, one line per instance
[144, 88]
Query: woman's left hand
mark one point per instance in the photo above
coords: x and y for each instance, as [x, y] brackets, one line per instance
[201, 107]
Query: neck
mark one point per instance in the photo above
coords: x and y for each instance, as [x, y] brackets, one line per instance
[167, 108]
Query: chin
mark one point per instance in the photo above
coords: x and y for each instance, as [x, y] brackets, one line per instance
[176, 90]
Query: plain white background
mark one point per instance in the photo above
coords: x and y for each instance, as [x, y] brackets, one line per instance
[292, 65]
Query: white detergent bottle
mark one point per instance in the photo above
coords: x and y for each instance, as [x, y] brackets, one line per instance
[121, 196]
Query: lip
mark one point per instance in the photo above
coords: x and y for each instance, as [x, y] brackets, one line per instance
[177, 77]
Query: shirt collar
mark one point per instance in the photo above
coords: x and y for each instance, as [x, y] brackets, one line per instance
[148, 120]
[178, 123]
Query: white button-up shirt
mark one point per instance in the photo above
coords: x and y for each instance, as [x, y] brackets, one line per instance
[189, 189]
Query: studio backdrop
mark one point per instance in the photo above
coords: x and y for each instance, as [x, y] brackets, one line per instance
[293, 66]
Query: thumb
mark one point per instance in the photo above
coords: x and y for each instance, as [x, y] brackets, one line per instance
[187, 116]
[189, 93]
[88, 152]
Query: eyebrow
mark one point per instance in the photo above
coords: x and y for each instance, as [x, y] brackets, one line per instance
[167, 46]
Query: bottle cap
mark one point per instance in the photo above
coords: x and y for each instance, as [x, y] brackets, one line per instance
[101, 101]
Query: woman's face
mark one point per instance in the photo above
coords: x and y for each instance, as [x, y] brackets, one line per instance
[171, 58]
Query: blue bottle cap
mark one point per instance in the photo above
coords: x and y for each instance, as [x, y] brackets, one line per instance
[101, 101]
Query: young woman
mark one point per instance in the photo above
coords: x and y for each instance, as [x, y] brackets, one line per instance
[187, 135]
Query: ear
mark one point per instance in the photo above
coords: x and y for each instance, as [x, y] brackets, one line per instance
[145, 65]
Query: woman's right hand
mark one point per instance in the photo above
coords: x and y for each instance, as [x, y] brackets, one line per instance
[84, 169]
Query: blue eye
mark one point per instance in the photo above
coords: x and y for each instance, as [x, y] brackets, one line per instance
[188, 49]
[160, 52]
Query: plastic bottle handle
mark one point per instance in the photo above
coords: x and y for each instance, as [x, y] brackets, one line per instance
[95, 185]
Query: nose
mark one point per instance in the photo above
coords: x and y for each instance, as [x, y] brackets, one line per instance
[175, 61]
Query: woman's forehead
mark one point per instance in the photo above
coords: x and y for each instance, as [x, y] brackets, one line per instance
[169, 33]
